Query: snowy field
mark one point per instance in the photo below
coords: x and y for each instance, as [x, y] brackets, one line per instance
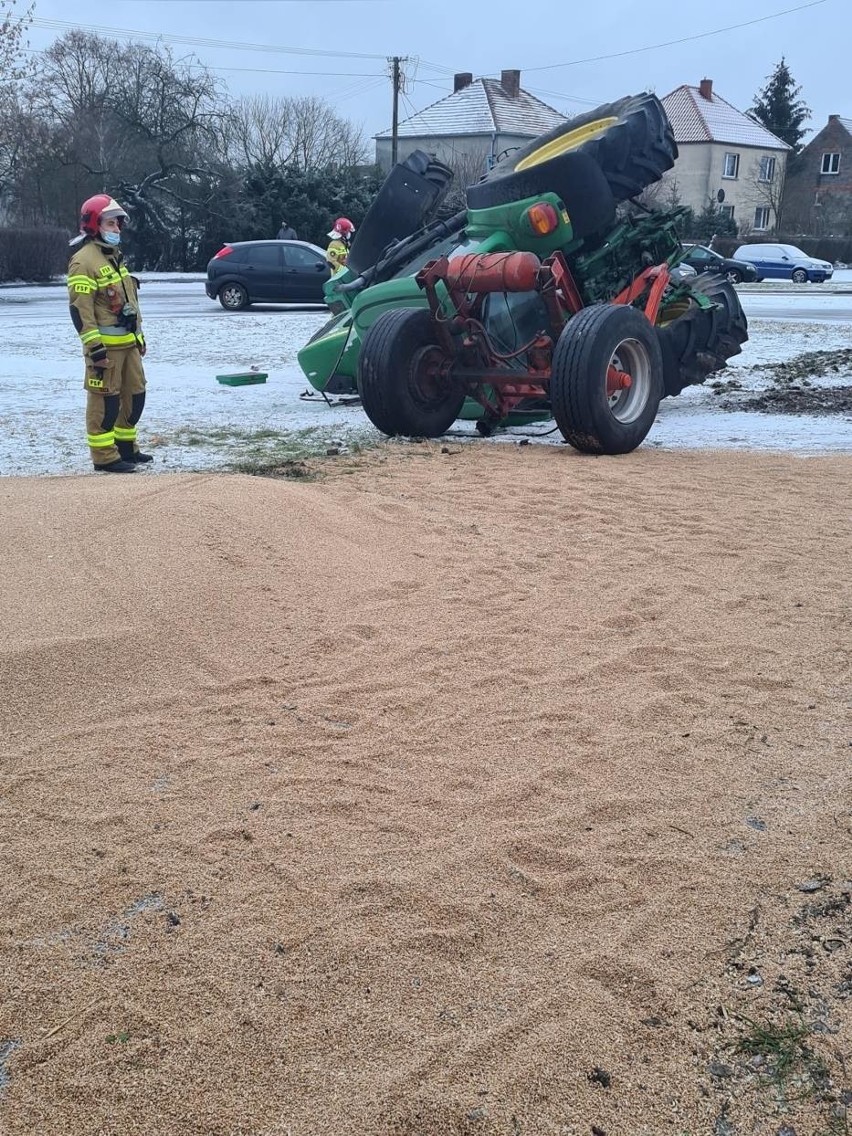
[193, 422]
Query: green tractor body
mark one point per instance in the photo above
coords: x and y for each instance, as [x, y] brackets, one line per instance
[536, 302]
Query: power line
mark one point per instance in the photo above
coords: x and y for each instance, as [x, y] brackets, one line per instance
[257, 70]
[674, 42]
[197, 41]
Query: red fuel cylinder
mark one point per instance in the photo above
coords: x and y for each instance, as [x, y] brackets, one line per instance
[494, 272]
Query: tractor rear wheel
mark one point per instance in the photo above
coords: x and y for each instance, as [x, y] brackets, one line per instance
[606, 380]
[697, 341]
[631, 141]
[402, 381]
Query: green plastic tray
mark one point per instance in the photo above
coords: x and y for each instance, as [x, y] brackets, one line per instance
[244, 379]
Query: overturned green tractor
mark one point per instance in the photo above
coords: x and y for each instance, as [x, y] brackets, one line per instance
[542, 299]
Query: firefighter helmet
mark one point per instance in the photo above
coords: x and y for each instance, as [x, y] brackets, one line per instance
[93, 210]
[344, 226]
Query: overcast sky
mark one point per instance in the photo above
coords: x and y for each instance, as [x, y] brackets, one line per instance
[272, 46]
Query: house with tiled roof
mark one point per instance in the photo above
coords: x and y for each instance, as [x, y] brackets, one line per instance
[725, 157]
[470, 128]
[818, 196]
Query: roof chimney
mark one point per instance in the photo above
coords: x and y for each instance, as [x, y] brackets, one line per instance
[705, 89]
[510, 81]
[462, 79]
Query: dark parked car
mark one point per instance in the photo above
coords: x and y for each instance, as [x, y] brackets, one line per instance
[267, 272]
[704, 259]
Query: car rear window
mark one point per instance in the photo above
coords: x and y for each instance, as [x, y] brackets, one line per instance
[264, 256]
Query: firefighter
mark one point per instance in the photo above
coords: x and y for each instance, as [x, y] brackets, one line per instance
[341, 236]
[105, 311]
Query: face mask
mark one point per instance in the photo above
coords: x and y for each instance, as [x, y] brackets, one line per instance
[111, 238]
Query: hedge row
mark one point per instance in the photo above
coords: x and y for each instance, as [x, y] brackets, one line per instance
[33, 254]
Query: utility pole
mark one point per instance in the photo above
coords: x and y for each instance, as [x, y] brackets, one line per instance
[397, 77]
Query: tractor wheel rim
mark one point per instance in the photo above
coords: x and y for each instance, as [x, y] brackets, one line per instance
[631, 357]
[566, 142]
[428, 380]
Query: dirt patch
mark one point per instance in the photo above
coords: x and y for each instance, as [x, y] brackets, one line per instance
[795, 399]
[798, 385]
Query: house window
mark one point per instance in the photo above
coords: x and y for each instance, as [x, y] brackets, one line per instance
[761, 218]
[767, 169]
[727, 211]
[732, 166]
[830, 164]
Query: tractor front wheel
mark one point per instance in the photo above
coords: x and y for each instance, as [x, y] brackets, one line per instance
[606, 381]
[402, 377]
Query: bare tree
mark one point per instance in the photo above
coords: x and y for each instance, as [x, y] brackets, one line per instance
[301, 133]
[766, 190]
[13, 29]
[662, 195]
[257, 131]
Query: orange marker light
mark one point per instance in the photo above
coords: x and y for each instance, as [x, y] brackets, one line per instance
[542, 218]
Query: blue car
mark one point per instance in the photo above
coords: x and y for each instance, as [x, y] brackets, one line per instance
[785, 262]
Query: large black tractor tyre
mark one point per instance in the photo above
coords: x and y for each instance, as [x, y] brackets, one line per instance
[631, 142]
[592, 419]
[399, 380]
[407, 199]
[695, 341]
[574, 177]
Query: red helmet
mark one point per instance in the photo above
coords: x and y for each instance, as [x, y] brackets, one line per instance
[96, 208]
[344, 226]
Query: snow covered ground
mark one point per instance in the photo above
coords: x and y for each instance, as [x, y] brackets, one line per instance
[192, 422]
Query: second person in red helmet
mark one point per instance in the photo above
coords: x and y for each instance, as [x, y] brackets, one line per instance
[341, 237]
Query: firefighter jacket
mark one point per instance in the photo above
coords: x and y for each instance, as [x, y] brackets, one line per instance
[103, 299]
[336, 254]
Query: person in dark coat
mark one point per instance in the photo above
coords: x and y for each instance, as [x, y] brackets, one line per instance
[286, 232]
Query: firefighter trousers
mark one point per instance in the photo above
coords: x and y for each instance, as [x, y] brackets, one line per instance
[115, 399]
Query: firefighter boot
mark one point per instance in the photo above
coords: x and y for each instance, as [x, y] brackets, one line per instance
[129, 454]
[117, 466]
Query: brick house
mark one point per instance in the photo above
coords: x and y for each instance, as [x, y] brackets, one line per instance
[470, 128]
[721, 148]
[818, 194]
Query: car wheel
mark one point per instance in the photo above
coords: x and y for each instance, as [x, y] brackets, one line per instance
[735, 277]
[233, 297]
[800, 276]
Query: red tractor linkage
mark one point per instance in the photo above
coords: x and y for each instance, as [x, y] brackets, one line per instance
[464, 352]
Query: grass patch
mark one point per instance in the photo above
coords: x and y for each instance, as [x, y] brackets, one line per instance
[789, 1063]
[225, 436]
[286, 454]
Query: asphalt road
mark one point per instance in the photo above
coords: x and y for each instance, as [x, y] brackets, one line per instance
[186, 299]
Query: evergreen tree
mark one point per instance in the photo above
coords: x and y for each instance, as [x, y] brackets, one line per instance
[780, 109]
